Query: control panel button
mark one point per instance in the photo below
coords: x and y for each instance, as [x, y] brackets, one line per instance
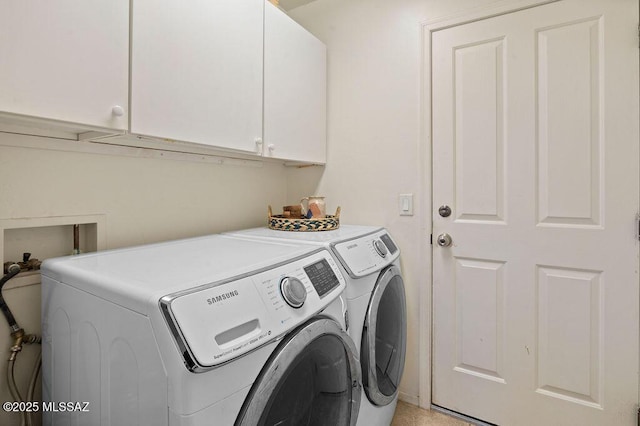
[293, 292]
[380, 248]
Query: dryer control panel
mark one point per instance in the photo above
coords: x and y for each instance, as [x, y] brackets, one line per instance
[366, 255]
[224, 320]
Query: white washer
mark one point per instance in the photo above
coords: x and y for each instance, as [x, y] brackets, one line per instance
[211, 330]
[376, 304]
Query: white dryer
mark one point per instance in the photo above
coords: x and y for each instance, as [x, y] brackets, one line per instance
[376, 306]
[203, 331]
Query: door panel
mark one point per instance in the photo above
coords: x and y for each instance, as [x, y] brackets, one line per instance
[480, 317]
[197, 71]
[65, 60]
[295, 90]
[569, 325]
[570, 102]
[479, 82]
[535, 148]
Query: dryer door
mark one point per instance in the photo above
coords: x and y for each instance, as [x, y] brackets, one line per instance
[384, 338]
[312, 378]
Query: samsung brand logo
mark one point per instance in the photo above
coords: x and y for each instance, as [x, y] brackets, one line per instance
[223, 296]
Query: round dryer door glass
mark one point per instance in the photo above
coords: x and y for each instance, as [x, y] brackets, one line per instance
[311, 381]
[384, 338]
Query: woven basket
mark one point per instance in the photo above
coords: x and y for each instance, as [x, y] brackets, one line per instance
[281, 223]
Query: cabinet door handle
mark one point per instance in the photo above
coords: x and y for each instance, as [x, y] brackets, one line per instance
[117, 111]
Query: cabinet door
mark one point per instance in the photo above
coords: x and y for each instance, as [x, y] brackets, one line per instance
[65, 60]
[295, 87]
[197, 71]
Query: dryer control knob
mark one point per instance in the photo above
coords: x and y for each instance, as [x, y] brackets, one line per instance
[380, 248]
[293, 292]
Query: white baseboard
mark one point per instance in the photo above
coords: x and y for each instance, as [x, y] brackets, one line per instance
[409, 399]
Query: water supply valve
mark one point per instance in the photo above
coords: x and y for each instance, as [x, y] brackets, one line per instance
[27, 263]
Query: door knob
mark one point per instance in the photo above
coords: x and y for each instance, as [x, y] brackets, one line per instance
[444, 240]
[444, 211]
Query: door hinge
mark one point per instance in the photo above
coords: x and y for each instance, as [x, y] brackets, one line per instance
[639, 43]
[638, 235]
[431, 242]
[638, 421]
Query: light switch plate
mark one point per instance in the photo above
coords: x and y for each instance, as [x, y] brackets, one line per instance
[405, 204]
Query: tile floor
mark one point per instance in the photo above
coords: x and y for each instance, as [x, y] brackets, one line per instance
[410, 415]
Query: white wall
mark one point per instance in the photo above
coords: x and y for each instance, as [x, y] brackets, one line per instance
[375, 152]
[375, 147]
[142, 199]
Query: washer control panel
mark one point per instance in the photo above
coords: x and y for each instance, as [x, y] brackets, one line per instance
[224, 320]
[366, 255]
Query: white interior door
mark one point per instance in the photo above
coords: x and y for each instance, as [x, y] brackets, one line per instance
[535, 150]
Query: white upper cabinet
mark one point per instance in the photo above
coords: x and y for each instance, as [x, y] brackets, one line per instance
[65, 60]
[295, 90]
[234, 75]
[196, 71]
